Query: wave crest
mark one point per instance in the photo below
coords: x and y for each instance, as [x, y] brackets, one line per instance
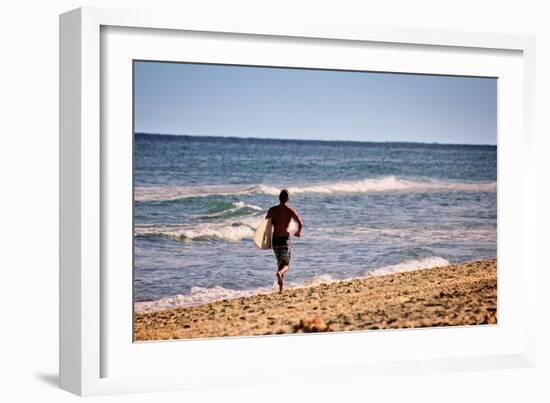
[371, 185]
[228, 231]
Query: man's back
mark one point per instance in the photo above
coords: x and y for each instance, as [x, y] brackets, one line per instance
[281, 215]
[280, 218]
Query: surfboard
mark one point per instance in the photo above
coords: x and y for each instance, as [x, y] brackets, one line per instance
[262, 236]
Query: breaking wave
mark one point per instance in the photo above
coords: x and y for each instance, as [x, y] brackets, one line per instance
[371, 185]
[233, 209]
[228, 231]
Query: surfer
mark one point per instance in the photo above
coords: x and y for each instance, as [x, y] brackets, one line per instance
[281, 215]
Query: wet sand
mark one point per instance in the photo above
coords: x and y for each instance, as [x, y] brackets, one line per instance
[463, 294]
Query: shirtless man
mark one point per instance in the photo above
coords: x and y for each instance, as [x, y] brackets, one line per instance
[280, 218]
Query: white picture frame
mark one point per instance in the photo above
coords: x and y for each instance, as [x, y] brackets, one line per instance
[91, 343]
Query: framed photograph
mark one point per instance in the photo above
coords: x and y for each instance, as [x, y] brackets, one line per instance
[354, 199]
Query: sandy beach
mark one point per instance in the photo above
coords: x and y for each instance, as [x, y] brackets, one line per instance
[454, 295]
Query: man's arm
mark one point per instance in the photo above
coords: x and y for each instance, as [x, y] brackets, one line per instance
[269, 213]
[298, 220]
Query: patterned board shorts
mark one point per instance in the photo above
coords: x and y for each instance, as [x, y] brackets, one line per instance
[281, 247]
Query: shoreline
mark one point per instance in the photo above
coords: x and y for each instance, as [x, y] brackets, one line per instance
[454, 295]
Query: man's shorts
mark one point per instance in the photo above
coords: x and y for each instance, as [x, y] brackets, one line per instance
[281, 247]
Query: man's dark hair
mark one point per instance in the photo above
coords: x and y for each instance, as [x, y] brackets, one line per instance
[283, 196]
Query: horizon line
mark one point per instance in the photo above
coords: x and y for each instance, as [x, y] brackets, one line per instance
[321, 140]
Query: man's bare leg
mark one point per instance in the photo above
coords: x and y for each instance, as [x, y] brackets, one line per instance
[281, 277]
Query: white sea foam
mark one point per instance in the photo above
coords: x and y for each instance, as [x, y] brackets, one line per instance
[240, 205]
[233, 231]
[236, 206]
[244, 228]
[198, 296]
[372, 185]
[203, 295]
[393, 184]
[169, 193]
[408, 265]
[320, 279]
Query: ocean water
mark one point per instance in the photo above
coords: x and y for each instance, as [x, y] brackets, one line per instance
[368, 209]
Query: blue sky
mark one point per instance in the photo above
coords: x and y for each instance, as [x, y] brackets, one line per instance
[216, 100]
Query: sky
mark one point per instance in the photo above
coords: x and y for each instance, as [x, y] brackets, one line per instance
[284, 103]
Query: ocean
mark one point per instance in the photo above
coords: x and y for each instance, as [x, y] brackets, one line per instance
[368, 209]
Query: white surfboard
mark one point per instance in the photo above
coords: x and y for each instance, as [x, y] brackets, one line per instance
[262, 236]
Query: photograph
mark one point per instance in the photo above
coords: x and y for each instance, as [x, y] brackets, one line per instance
[275, 200]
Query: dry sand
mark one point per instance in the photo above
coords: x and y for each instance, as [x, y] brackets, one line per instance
[463, 294]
